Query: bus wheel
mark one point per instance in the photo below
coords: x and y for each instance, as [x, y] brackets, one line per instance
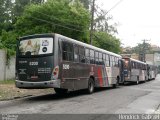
[117, 83]
[123, 83]
[60, 91]
[145, 79]
[90, 88]
[137, 82]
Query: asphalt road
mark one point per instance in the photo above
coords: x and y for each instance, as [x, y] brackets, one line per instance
[142, 98]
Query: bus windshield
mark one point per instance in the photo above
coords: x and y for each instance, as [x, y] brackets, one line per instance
[126, 65]
[36, 46]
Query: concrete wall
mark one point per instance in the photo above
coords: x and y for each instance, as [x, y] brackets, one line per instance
[10, 70]
[6, 72]
[157, 58]
[2, 64]
[150, 59]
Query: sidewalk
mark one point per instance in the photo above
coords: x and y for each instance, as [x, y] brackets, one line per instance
[158, 110]
[147, 104]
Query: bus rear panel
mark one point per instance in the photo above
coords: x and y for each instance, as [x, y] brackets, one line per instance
[135, 70]
[35, 62]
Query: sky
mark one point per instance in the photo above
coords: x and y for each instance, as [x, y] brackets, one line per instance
[137, 20]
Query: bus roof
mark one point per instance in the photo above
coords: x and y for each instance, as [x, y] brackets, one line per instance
[88, 46]
[38, 35]
[134, 60]
[72, 40]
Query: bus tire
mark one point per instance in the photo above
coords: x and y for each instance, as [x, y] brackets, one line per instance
[123, 83]
[137, 82]
[117, 83]
[60, 91]
[91, 86]
[145, 79]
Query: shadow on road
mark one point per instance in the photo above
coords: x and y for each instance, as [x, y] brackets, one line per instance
[52, 97]
[134, 83]
[72, 94]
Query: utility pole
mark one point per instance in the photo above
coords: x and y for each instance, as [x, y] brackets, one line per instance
[92, 21]
[143, 57]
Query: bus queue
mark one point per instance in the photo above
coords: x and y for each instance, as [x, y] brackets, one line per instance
[65, 64]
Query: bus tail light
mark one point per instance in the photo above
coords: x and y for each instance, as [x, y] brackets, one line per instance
[55, 72]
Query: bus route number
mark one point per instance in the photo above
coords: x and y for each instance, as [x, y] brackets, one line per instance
[65, 67]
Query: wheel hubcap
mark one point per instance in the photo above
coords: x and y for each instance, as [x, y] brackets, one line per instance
[91, 86]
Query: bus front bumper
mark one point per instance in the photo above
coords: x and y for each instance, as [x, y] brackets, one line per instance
[37, 85]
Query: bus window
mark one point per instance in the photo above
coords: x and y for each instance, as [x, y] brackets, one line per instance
[100, 58]
[107, 60]
[91, 56]
[67, 51]
[104, 59]
[140, 66]
[82, 54]
[133, 64]
[96, 58]
[137, 65]
[87, 55]
[111, 61]
[76, 54]
[116, 61]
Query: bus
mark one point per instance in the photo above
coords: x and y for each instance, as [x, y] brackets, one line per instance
[152, 71]
[134, 70]
[55, 61]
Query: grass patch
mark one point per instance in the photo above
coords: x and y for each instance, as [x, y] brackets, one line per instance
[8, 91]
[7, 82]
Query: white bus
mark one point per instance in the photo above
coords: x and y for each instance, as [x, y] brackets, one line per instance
[134, 70]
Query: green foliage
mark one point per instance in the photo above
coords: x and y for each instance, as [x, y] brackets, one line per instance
[67, 17]
[5, 15]
[140, 47]
[8, 42]
[107, 42]
[7, 82]
[19, 6]
[86, 3]
[63, 17]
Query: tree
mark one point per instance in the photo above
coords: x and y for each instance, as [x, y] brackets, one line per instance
[9, 11]
[140, 48]
[107, 42]
[63, 17]
[19, 6]
[86, 3]
[104, 32]
[5, 13]
[101, 22]
[8, 42]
